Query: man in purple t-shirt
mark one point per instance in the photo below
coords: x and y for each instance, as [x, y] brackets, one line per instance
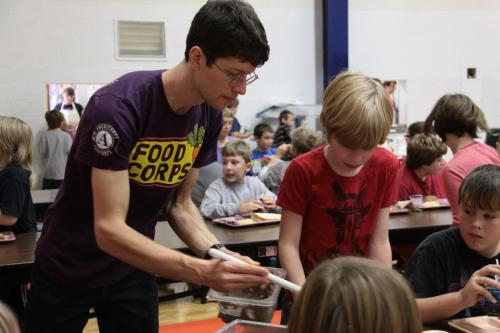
[139, 146]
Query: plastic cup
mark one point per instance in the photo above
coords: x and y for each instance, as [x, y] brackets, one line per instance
[417, 199]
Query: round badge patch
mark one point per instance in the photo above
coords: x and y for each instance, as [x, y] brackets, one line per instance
[105, 139]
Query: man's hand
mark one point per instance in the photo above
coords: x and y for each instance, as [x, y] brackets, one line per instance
[475, 289]
[228, 276]
[239, 256]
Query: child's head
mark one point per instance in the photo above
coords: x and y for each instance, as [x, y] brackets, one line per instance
[287, 117]
[479, 202]
[414, 129]
[228, 28]
[455, 114]
[68, 95]
[425, 151]
[16, 141]
[54, 119]
[356, 111]
[227, 123]
[236, 161]
[8, 321]
[354, 295]
[304, 139]
[390, 86]
[263, 134]
[233, 106]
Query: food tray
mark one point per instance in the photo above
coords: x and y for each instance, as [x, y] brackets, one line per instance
[239, 221]
[482, 324]
[394, 210]
[8, 236]
[437, 204]
[405, 207]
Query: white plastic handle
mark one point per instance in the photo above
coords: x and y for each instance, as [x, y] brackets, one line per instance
[274, 278]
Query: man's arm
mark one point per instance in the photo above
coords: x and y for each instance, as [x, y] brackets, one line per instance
[187, 221]
[111, 194]
[379, 246]
[189, 225]
[290, 231]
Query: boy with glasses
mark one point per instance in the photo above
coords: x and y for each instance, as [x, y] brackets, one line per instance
[140, 146]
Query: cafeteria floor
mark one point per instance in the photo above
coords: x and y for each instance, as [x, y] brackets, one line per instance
[180, 310]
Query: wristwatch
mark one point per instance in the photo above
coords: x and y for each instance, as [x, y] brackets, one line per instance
[215, 246]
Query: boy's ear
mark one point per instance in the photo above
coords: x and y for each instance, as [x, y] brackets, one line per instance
[248, 166]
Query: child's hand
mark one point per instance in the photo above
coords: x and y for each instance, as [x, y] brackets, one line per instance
[250, 206]
[475, 289]
[283, 149]
[268, 202]
[265, 160]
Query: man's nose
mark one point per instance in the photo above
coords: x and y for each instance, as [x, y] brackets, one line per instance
[241, 88]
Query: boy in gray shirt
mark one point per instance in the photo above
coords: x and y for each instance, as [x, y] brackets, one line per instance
[54, 146]
[236, 193]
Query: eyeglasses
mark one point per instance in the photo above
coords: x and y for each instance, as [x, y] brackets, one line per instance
[238, 79]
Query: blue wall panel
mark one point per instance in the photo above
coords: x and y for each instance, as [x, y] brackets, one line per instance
[335, 38]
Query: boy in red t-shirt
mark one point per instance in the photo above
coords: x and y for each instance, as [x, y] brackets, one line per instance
[336, 198]
[418, 174]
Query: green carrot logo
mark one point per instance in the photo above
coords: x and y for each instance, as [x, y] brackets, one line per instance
[195, 139]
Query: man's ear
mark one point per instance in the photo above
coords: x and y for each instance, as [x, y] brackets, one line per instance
[196, 57]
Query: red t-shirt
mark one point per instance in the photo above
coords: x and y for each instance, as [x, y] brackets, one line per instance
[409, 184]
[463, 162]
[339, 213]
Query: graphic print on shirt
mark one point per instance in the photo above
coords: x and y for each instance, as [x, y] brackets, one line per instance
[164, 162]
[105, 139]
[195, 139]
[347, 215]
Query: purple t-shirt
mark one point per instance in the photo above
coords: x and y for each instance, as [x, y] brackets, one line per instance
[127, 124]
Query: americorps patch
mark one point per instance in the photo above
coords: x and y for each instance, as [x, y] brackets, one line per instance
[105, 139]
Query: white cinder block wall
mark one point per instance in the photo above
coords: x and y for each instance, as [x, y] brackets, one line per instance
[427, 43]
[73, 41]
[430, 44]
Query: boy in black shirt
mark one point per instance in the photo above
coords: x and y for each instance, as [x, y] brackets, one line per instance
[450, 270]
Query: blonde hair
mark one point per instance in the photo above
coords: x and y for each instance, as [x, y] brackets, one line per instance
[304, 139]
[237, 148]
[356, 111]
[354, 295]
[16, 140]
[8, 321]
[227, 113]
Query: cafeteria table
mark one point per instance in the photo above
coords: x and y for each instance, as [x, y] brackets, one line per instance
[16, 258]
